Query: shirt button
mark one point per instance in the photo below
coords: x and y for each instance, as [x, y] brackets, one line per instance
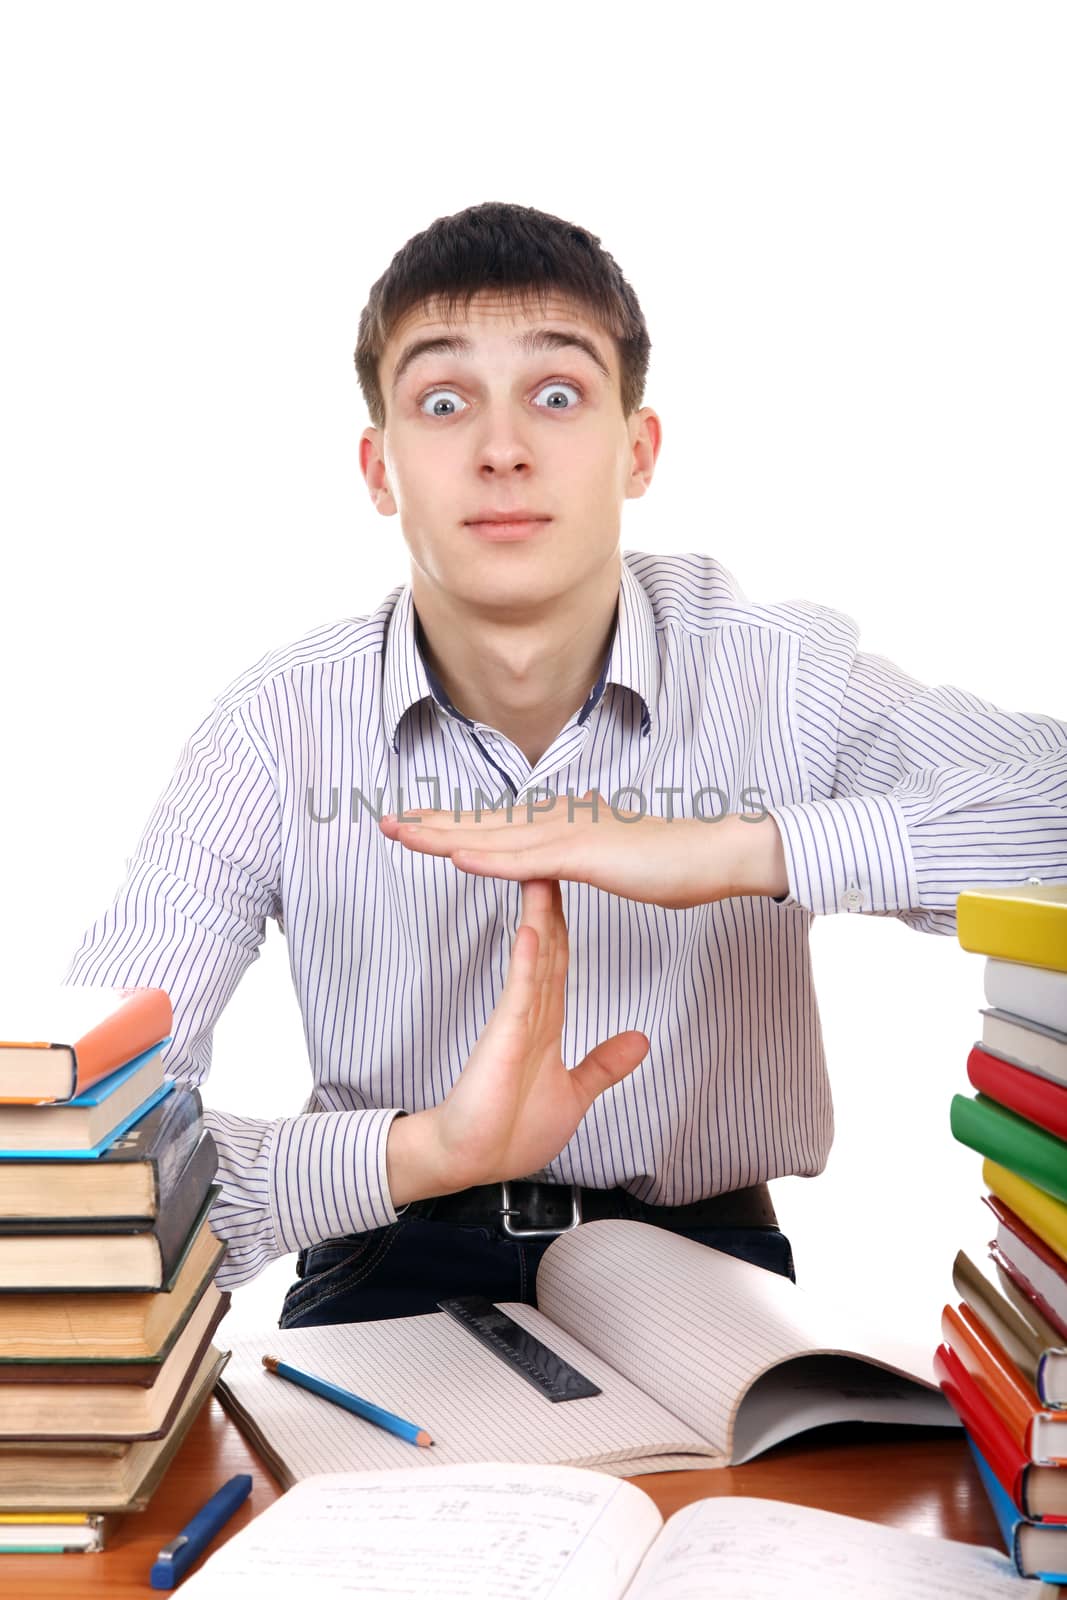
[852, 899]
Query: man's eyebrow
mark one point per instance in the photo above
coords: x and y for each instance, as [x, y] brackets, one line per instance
[530, 343]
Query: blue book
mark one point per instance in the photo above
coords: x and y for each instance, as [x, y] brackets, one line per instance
[1038, 1549]
[83, 1128]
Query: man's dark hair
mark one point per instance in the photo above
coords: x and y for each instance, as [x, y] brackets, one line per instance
[514, 251]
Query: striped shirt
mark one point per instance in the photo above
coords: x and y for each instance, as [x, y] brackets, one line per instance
[890, 797]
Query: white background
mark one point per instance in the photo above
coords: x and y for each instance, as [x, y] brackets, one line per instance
[846, 228]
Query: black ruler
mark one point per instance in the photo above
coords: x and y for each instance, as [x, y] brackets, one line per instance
[553, 1377]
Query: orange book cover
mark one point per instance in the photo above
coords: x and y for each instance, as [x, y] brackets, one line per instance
[64, 1039]
[1040, 1434]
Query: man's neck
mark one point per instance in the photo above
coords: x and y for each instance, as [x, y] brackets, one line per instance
[525, 678]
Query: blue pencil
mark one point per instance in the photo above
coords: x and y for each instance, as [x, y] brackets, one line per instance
[350, 1402]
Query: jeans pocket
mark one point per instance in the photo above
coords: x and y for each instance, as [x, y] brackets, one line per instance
[334, 1269]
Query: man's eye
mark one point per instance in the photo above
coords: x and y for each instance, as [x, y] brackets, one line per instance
[448, 397]
[554, 388]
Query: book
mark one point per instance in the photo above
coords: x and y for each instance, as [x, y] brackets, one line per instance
[186, 1197]
[1039, 1492]
[1027, 1093]
[63, 1039]
[99, 1252]
[64, 1410]
[42, 1477]
[1030, 1045]
[1045, 1215]
[88, 1119]
[1017, 922]
[1028, 1262]
[1035, 994]
[115, 1325]
[134, 1176]
[1038, 1550]
[703, 1360]
[63, 1367]
[1010, 1140]
[481, 1532]
[56, 1533]
[1031, 1342]
[1040, 1432]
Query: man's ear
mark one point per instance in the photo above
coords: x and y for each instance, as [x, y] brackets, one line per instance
[372, 465]
[646, 433]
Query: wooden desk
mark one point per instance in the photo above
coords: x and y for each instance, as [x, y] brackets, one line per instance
[922, 1480]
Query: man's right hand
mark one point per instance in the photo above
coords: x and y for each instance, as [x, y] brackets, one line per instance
[515, 1104]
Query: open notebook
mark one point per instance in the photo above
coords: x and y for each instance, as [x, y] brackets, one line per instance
[504, 1532]
[702, 1359]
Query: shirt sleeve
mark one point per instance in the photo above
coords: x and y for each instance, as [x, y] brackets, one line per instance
[917, 793]
[191, 918]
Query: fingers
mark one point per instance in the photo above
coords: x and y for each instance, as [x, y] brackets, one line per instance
[543, 909]
[532, 949]
[609, 1063]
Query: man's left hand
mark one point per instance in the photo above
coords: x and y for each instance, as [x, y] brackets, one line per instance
[676, 862]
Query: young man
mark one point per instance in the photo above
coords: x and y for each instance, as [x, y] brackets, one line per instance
[664, 782]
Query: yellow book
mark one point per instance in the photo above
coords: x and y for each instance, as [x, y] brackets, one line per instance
[1047, 1217]
[1016, 922]
[19, 1518]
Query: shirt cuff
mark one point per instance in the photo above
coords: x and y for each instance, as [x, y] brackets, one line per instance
[328, 1176]
[850, 854]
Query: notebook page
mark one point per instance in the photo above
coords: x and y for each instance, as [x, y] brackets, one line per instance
[491, 1532]
[747, 1549]
[694, 1327]
[431, 1371]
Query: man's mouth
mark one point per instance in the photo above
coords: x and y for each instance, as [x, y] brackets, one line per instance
[497, 532]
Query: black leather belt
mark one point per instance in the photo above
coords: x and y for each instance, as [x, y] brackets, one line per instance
[528, 1210]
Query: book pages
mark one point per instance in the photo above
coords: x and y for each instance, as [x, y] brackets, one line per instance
[434, 1373]
[491, 1532]
[746, 1549]
[501, 1531]
[695, 1328]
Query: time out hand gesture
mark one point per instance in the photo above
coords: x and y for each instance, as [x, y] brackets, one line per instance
[676, 862]
[515, 1104]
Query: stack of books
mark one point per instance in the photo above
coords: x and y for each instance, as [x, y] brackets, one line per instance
[1003, 1362]
[108, 1302]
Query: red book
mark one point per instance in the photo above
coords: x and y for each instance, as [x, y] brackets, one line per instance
[1036, 1098]
[1037, 1492]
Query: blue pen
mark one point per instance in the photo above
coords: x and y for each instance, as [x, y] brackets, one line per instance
[175, 1559]
[351, 1402]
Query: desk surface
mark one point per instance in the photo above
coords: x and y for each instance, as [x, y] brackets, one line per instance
[921, 1480]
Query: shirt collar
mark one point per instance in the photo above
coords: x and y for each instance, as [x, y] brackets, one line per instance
[632, 660]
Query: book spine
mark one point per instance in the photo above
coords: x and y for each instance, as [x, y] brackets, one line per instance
[1010, 1270]
[983, 1420]
[1014, 1234]
[1044, 1433]
[141, 1018]
[174, 1225]
[1003, 1506]
[1038, 1209]
[1003, 1320]
[1012, 1142]
[991, 1370]
[1033, 994]
[1025, 1093]
[1012, 928]
[171, 1170]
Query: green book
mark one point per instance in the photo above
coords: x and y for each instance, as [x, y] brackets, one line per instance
[1011, 1141]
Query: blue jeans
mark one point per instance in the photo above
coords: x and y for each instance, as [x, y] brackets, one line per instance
[404, 1269]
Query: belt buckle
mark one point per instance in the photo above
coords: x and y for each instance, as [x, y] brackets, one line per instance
[507, 1211]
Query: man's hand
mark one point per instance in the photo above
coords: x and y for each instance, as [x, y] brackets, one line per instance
[515, 1104]
[674, 862]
